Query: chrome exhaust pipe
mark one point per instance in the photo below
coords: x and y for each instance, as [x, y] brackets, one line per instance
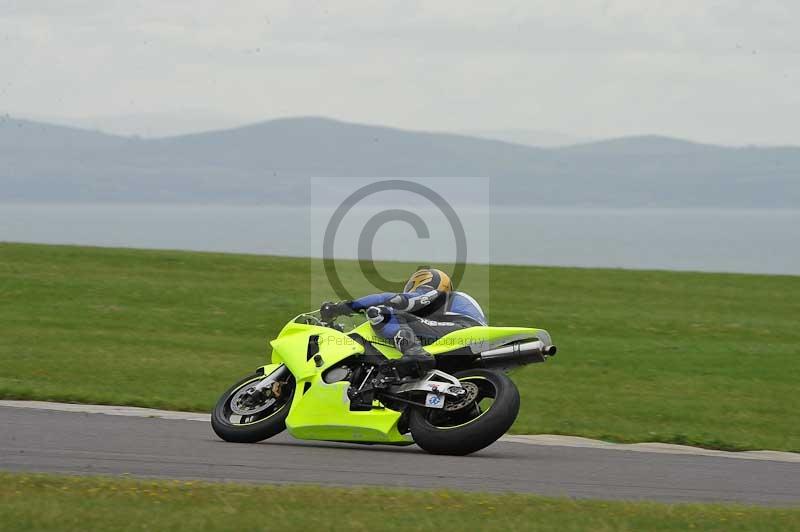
[517, 354]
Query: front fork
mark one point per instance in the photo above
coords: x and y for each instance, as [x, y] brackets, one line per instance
[270, 386]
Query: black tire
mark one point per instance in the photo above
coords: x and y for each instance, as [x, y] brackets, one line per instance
[254, 430]
[473, 434]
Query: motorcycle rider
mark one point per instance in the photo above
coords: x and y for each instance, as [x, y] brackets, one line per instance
[423, 312]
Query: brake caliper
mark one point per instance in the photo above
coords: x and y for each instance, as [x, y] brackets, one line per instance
[276, 388]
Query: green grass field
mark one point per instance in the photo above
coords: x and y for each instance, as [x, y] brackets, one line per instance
[704, 359]
[38, 502]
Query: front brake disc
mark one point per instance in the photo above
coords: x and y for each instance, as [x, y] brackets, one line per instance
[240, 402]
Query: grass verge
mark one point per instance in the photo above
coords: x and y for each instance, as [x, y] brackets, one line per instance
[691, 358]
[40, 502]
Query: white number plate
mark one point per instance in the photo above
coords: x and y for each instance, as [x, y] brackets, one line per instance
[434, 400]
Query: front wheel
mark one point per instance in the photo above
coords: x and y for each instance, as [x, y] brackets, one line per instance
[242, 417]
[460, 429]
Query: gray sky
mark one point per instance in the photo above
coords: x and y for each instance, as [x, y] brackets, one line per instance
[724, 71]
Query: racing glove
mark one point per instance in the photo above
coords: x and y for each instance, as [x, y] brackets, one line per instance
[329, 311]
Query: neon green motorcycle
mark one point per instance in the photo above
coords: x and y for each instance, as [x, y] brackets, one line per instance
[331, 381]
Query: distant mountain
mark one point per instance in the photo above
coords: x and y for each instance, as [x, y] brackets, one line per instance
[38, 136]
[149, 124]
[540, 138]
[270, 162]
[641, 145]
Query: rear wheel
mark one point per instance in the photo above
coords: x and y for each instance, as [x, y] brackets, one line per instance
[466, 427]
[244, 416]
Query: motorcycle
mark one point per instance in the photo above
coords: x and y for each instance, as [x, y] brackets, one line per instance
[331, 380]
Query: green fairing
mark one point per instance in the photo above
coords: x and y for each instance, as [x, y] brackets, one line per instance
[291, 348]
[321, 411]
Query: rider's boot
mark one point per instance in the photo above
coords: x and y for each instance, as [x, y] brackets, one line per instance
[415, 361]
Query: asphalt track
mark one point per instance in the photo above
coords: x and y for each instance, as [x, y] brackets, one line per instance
[83, 443]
